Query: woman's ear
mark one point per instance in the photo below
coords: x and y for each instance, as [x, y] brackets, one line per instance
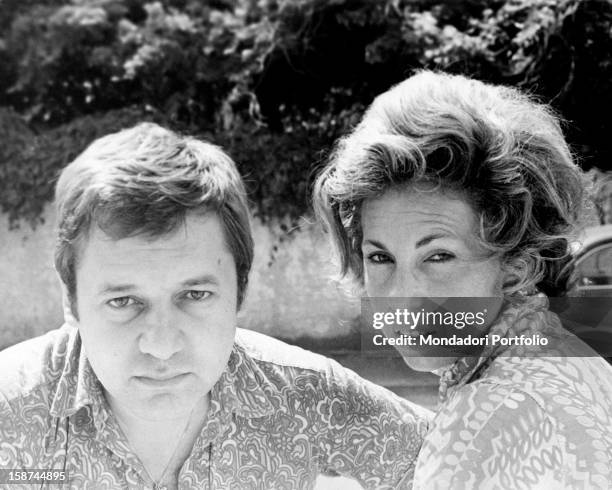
[516, 273]
[511, 276]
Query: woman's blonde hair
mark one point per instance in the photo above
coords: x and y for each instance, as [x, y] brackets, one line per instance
[495, 145]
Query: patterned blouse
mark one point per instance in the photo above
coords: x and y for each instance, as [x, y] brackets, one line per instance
[514, 419]
[279, 416]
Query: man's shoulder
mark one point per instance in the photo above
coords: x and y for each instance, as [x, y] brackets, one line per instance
[292, 369]
[281, 363]
[268, 351]
[35, 364]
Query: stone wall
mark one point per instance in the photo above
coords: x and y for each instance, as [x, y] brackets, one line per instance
[290, 294]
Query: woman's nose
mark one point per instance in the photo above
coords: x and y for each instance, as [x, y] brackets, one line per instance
[406, 283]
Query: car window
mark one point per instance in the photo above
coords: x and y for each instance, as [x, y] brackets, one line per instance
[595, 265]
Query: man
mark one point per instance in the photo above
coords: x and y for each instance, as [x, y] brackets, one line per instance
[149, 383]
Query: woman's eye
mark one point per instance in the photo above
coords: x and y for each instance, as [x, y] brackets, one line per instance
[195, 295]
[440, 257]
[122, 302]
[378, 258]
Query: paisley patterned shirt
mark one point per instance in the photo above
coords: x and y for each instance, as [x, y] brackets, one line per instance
[279, 416]
[514, 419]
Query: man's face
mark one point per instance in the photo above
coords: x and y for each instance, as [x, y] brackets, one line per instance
[157, 316]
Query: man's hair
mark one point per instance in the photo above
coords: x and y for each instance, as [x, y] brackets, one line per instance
[143, 181]
[492, 144]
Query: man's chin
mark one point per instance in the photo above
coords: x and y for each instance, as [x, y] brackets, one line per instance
[165, 402]
[165, 406]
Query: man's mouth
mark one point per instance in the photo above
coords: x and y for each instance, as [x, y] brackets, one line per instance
[162, 380]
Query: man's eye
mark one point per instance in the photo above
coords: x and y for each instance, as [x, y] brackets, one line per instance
[440, 257]
[195, 295]
[378, 258]
[122, 302]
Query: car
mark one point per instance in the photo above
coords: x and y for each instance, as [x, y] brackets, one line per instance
[592, 264]
[587, 309]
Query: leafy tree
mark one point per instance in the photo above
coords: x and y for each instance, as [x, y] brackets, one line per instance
[274, 81]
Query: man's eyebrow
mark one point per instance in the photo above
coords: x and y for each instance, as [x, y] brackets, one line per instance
[196, 281]
[116, 288]
[201, 281]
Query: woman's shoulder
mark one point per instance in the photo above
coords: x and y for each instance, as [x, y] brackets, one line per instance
[484, 433]
[549, 426]
[554, 383]
[487, 403]
[574, 393]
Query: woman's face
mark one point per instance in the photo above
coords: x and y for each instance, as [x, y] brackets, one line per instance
[422, 243]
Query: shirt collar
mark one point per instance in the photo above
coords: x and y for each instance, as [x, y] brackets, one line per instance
[242, 389]
[78, 386]
[515, 319]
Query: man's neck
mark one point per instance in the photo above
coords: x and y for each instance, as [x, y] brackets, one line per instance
[162, 445]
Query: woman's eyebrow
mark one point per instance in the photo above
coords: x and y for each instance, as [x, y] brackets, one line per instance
[374, 243]
[422, 242]
[429, 238]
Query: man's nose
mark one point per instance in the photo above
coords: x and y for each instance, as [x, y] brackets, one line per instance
[162, 336]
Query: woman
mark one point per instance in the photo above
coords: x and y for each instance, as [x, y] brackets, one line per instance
[450, 187]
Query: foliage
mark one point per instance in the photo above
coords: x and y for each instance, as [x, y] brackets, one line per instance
[273, 81]
[30, 162]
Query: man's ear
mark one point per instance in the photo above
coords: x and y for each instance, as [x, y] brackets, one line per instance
[70, 317]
